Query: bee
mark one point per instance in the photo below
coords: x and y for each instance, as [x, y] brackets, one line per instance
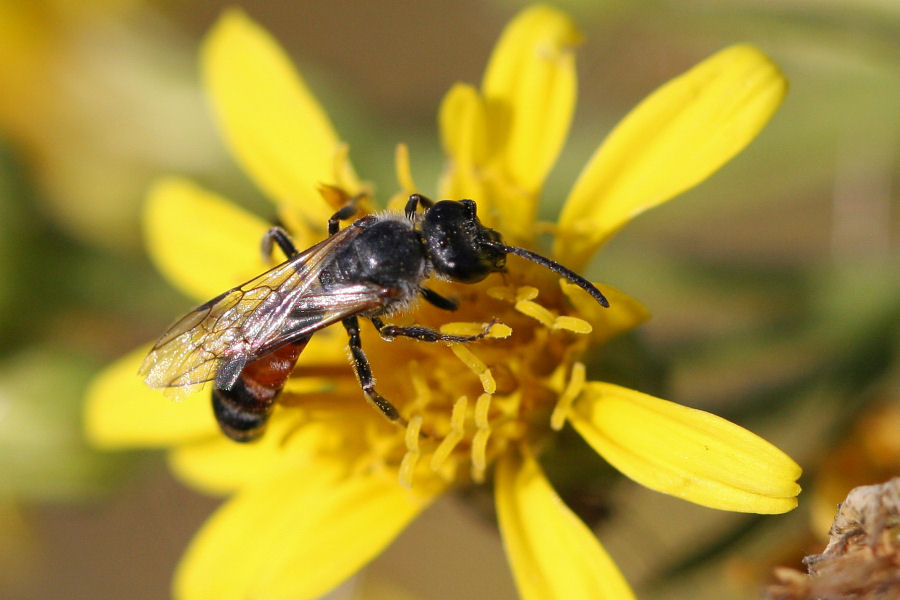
[248, 339]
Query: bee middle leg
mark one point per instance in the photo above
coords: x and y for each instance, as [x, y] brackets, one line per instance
[364, 373]
[425, 334]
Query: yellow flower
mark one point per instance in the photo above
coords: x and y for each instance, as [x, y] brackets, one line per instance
[331, 483]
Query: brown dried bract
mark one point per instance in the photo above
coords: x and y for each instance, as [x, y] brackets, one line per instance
[862, 559]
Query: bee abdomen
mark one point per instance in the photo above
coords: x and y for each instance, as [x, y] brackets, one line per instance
[243, 410]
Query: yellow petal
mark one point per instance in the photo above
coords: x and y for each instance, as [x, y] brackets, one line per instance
[297, 535]
[202, 243]
[685, 452]
[552, 553]
[272, 122]
[463, 127]
[529, 89]
[122, 412]
[218, 465]
[673, 140]
[623, 314]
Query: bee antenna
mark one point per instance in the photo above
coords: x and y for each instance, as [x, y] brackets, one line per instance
[572, 276]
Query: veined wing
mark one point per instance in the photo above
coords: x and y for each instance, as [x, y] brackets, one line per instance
[237, 324]
[316, 309]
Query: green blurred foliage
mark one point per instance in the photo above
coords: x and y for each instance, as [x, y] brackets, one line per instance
[43, 456]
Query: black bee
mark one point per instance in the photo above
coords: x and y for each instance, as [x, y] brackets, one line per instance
[249, 338]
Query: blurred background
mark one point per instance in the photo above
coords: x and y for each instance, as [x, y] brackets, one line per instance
[775, 285]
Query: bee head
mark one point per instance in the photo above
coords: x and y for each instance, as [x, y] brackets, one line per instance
[461, 247]
[464, 250]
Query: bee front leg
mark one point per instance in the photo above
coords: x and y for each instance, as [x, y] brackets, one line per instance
[364, 373]
[414, 201]
[425, 334]
[436, 299]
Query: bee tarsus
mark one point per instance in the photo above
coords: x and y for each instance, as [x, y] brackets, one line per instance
[364, 373]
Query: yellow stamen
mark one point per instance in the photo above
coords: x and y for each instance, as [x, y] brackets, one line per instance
[564, 403]
[462, 328]
[501, 292]
[477, 366]
[526, 292]
[422, 391]
[496, 331]
[457, 427]
[480, 439]
[500, 331]
[479, 454]
[404, 172]
[411, 458]
[536, 312]
[573, 324]
[412, 433]
[482, 406]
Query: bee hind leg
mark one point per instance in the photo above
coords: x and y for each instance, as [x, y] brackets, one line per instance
[364, 374]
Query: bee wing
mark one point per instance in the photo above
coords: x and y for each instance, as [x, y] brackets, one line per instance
[316, 309]
[235, 326]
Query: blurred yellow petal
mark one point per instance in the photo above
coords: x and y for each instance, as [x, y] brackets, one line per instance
[461, 119]
[673, 140]
[122, 412]
[219, 465]
[529, 89]
[462, 124]
[272, 122]
[201, 242]
[623, 314]
[685, 452]
[552, 553]
[296, 536]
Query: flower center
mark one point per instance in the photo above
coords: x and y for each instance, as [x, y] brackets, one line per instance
[466, 403]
